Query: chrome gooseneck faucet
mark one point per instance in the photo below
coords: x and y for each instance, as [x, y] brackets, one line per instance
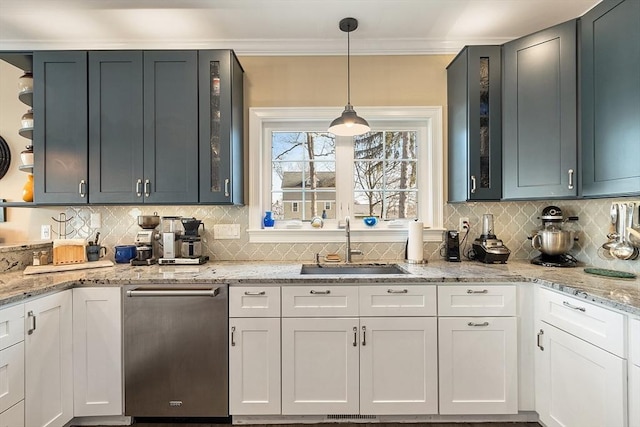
[349, 251]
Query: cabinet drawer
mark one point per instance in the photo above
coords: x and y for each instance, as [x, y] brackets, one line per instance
[319, 301]
[476, 300]
[599, 326]
[254, 301]
[11, 376]
[11, 325]
[14, 416]
[397, 300]
[634, 341]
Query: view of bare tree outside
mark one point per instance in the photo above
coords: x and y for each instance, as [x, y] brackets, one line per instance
[303, 178]
[385, 173]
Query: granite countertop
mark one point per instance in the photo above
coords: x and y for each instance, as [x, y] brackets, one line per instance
[621, 294]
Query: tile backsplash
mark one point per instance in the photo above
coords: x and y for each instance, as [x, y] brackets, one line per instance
[514, 222]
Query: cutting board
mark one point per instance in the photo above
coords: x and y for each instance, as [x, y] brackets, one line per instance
[51, 268]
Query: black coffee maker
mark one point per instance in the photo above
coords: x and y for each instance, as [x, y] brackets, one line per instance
[191, 241]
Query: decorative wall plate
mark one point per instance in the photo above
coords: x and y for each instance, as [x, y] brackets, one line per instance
[5, 157]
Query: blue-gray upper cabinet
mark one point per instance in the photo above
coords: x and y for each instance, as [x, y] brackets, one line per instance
[115, 127]
[143, 109]
[610, 99]
[473, 95]
[539, 144]
[221, 127]
[60, 127]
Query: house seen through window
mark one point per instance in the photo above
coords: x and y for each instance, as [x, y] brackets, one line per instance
[379, 179]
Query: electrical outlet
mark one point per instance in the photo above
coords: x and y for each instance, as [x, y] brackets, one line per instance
[45, 232]
[463, 223]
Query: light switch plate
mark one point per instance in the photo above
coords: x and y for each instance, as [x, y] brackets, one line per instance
[226, 231]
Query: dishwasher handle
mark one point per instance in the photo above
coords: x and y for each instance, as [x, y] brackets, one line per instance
[180, 292]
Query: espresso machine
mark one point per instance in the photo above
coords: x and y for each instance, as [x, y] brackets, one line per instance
[487, 247]
[147, 241]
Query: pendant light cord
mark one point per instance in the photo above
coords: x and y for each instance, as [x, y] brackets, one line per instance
[348, 66]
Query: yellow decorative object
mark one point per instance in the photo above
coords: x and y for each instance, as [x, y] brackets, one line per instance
[27, 189]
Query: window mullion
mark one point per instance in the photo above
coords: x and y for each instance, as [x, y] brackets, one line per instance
[344, 176]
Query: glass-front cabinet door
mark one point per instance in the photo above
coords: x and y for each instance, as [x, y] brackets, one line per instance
[221, 129]
[475, 136]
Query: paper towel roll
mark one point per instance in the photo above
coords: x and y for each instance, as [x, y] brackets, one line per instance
[414, 244]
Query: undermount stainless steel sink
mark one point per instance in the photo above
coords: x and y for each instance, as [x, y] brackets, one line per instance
[340, 269]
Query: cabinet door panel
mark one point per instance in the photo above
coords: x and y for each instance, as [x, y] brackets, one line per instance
[320, 366]
[475, 131]
[478, 364]
[540, 116]
[115, 126]
[577, 383]
[221, 109]
[97, 351]
[14, 416]
[11, 325]
[398, 366]
[11, 376]
[254, 366]
[610, 99]
[48, 362]
[171, 126]
[60, 127]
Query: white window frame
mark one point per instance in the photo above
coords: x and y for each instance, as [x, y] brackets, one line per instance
[294, 206]
[430, 194]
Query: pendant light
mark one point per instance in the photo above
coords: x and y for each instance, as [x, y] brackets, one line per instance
[349, 123]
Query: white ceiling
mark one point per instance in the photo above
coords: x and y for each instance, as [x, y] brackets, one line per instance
[277, 27]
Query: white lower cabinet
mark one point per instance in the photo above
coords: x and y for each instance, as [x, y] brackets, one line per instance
[634, 372]
[254, 366]
[478, 349]
[398, 365]
[320, 366]
[49, 361]
[14, 416]
[12, 366]
[97, 351]
[339, 363]
[478, 365]
[578, 383]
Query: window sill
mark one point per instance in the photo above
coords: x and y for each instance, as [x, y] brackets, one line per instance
[308, 235]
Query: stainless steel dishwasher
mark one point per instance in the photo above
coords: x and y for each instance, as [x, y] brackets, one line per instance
[176, 351]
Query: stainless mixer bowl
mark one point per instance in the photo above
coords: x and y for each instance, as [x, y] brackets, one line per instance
[553, 242]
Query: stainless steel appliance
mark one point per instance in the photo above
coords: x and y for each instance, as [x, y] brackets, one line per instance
[552, 241]
[191, 241]
[146, 240]
[171, 232]
[488, 248]
[176, 351]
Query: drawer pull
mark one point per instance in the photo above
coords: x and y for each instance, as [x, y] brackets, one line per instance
[364, 335]
[233, 342]
[478, 324]
[401, 291]
[575, 307]
[327, 292]
[471, 291]
[538, 340]
[355, 336]
[255, 293]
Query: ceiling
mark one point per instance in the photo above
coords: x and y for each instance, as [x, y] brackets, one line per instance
[277, 27]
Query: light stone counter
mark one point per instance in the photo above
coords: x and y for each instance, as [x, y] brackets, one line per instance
[621, 294]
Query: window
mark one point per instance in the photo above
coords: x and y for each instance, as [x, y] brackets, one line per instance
[393, 172]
